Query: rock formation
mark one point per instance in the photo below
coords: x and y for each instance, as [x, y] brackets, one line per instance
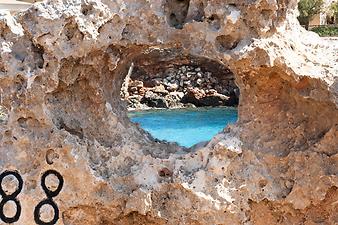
[62, 65]
[179, 87]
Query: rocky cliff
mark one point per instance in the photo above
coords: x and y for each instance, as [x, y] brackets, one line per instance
[74, 158]
[179, 86]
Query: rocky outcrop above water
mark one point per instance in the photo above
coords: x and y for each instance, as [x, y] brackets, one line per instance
[181, 87]
[62, 66]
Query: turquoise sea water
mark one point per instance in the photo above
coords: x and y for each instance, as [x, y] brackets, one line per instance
[185, 126]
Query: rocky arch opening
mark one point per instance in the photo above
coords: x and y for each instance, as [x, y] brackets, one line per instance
[162, 86]
[86, 101]
[178, 82]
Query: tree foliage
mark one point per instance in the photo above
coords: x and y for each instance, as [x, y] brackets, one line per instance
[307, 9]
[334, 9]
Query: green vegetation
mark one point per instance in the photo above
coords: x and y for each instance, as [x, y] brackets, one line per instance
[307, 9]
[326, 31]
[334, 9]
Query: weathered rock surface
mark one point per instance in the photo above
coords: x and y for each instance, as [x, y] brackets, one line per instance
[62, 65]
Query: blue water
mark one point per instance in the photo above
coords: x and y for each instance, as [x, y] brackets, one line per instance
[185, 126]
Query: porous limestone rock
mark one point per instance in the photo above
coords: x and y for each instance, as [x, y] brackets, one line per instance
[62, 64]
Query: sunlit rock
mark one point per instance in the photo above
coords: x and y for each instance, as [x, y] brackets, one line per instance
[62, 65]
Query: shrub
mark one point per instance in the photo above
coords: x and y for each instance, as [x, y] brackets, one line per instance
[326, 31]
[334, 9]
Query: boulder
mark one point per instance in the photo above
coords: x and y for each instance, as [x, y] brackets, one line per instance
[210, 97]
[132, 89]
[150, 83]
[179, 94]
[193, 96]
[214, 100]
[136, 83]
[190, 75]
[160, 89]
[174, 100]
[181, 83]
[172, 87]
[154, 100]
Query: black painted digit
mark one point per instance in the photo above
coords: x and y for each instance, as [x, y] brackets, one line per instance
[49, 193]
[10, 197]
[49, 200]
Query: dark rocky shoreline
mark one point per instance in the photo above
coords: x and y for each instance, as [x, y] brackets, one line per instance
[179, 87]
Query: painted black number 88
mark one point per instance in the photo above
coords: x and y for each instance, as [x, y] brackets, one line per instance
[12, 197]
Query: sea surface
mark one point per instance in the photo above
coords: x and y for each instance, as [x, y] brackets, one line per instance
[187, 127]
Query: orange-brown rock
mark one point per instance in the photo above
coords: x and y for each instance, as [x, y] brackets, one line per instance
[62, 65]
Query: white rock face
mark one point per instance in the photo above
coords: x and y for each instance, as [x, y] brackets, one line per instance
[62, 64]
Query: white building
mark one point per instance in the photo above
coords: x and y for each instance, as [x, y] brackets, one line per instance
[322, 18]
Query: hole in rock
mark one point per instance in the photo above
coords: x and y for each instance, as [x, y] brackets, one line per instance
[226, 42]
[176, 12]
[183, 99]
[214, 22]
[86, 9]
[192, 98]
[199, 14]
